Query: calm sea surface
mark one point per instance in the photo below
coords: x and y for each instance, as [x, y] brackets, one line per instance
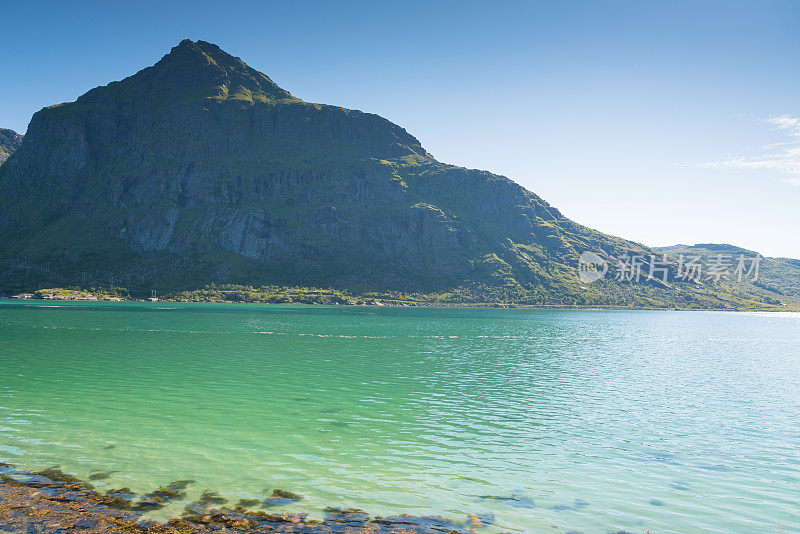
[540, 421]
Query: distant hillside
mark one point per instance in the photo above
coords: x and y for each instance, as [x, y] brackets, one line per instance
[9, 143]
[202, 170]
[777, 275]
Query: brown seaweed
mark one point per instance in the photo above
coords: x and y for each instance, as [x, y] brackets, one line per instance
[35, 500]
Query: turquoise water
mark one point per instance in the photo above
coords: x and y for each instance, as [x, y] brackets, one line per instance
[586, 421]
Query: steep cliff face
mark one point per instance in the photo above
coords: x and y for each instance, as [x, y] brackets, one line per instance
[9, 143]
[200, 169]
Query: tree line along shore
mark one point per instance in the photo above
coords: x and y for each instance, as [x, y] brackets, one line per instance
[480, 296]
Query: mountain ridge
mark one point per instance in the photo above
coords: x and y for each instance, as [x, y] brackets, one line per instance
[778, 275]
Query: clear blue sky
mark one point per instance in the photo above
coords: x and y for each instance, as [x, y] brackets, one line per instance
[662, 122]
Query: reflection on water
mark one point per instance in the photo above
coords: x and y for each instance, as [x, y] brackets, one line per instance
[583, 420]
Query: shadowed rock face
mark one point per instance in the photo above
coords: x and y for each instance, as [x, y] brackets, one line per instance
[9, 143]
[201, 169]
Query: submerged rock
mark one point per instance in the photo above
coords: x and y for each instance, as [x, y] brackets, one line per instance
[429, 523]
[147, 505]
[67, 506]
[517, 501]
[119, 499]
[59, 476]
[578, 504]
[353, 516]
[165, 494]
[680, 485]
[286, 495]
[281, 497]
[158, 498]
[211, 497]
[179, 485]
[487, 518]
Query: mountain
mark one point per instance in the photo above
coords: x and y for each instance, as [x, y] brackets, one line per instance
[9, 143]
[776, 276]
[200, 169]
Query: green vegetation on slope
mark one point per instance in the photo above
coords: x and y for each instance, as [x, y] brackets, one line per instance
[777, 278]
[474, 296]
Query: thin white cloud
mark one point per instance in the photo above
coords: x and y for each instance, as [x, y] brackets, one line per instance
[785, 122]
[786, 160]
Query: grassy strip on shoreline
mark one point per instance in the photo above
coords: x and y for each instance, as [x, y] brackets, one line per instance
[459, 297]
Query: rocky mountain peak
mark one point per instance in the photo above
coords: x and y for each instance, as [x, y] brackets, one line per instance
[9, 143]
[188, 54]
[191, 72]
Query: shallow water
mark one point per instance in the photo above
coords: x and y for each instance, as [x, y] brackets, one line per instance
[587, 421]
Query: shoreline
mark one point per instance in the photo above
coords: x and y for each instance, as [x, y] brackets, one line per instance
[52, 502]
[406, 304]
[462, 297]
[389, 304]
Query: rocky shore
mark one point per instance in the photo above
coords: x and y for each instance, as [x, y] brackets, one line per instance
[52, 502]
[333, 297]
